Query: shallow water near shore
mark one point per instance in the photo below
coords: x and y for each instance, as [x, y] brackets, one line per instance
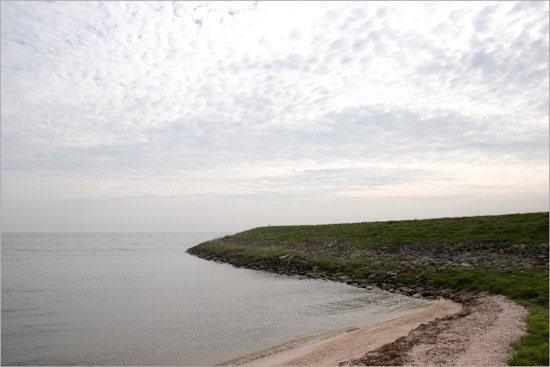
[140, 299]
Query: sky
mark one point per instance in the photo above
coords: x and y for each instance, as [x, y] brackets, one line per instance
[223, 116]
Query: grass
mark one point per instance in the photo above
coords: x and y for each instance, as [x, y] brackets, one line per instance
[256, 253]
[514, 228]
[528, 287]
[532, 350]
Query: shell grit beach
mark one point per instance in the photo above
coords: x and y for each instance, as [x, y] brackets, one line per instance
[475, 332]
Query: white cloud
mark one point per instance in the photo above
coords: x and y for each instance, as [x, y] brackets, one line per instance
[293, 98]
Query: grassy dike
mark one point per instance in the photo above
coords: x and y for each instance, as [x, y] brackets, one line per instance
[504, 254]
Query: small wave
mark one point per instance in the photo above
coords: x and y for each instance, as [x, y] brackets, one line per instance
[335, 307]
[282, 347]
[19, 309]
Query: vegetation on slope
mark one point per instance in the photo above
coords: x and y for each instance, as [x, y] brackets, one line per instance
[396, 254]
[512, 228]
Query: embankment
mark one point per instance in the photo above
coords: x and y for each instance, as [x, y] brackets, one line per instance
[503, 255]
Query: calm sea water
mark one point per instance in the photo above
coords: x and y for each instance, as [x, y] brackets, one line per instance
[139, 299]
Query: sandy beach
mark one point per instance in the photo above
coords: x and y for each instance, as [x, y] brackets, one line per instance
[444, 332]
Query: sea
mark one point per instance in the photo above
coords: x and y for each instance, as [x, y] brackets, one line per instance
[115, 299]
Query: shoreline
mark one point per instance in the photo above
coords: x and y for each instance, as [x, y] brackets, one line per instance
[320, 338]
[426, 343]
[450, 258]
[333, 347]
[475, 332]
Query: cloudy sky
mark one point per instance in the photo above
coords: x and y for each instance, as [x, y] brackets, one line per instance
[199, 116]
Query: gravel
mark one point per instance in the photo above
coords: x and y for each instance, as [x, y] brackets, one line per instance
[485, 334]
[479, 335]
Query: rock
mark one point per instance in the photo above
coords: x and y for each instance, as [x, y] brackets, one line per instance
[444, 293]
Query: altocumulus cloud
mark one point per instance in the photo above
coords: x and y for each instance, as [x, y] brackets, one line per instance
[324, 102]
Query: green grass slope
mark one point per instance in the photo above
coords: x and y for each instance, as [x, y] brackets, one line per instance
[512, 228]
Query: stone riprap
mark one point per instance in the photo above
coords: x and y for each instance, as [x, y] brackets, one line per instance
[424, 257]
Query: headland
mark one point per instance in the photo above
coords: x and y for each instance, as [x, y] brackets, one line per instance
[472, 261]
